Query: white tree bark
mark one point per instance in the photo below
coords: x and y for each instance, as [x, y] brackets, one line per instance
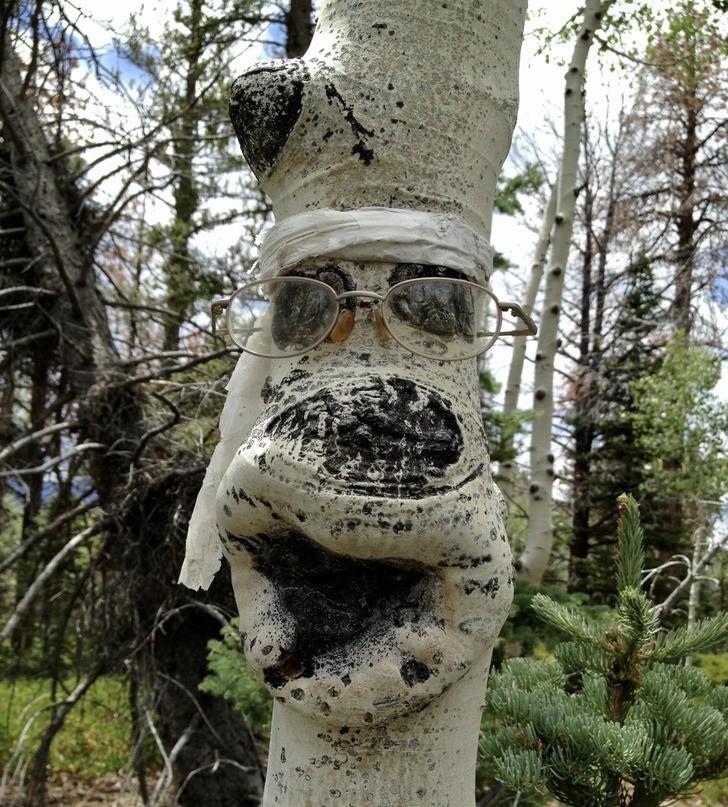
[534, 559]
[364, 532]
[507, 469]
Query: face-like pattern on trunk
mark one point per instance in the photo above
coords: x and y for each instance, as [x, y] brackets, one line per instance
[365, 535]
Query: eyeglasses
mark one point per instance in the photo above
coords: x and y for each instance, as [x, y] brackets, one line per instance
[439, 318]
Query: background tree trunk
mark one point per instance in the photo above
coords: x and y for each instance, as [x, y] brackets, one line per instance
[507, 469]
[535, 556]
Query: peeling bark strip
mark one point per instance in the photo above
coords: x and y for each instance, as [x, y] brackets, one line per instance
[365, 535]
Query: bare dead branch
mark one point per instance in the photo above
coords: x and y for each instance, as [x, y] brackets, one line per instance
[47, 573]
[51, 528]
[55, 461]
[693, 574]
[10, 449]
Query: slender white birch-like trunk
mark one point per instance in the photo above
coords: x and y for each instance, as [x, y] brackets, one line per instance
[364, 533]
[535, 557]
[507, 469]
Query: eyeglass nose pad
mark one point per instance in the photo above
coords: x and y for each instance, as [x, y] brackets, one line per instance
[383, 330]
[344, 326]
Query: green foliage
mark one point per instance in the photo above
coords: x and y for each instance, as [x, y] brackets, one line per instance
[715, 666]
[95, 738]
[510, 189]
[231, 677]
[614, 462]
[523, 631]
[609, 722]
[630, 29]
[680, 425]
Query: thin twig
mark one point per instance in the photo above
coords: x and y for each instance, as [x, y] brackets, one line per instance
[693, 574]
[11, 448]
[50, 529]
[52, 463]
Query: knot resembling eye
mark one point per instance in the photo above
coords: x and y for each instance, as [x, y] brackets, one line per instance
[442, 309]
[302, 314]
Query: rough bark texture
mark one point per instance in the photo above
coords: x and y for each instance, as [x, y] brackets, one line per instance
[364, 532]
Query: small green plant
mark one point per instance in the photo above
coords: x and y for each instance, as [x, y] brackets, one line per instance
[231, 677]
[613, 720]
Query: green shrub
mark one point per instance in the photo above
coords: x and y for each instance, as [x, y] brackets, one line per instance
[231, 677]
[613, 720]
[715, 666]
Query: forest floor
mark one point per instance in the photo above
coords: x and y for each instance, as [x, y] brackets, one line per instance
[113, 790]
[109, 790]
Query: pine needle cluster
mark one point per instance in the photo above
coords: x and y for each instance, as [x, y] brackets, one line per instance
[614, 719]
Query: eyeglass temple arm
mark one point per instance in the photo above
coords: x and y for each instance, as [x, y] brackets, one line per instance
[517, 311]
[217, 309]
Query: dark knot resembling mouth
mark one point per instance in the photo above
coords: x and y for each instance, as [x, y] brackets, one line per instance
[337, 604]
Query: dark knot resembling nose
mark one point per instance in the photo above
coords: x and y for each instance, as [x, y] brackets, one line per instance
[385, 437]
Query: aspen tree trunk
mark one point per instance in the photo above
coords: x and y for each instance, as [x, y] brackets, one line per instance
[694, 597]
[507, 469]
[364, 532]
[534, 559]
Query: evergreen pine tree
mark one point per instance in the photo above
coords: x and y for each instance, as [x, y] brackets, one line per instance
[615, 463]
[613, 720]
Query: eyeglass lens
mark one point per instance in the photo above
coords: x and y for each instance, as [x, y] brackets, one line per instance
[434, 317]
[441, 318]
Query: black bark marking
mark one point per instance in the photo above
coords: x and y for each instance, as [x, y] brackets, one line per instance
[238, 542]
[265, 104]
[365, 154]
[242, 495]
[392, 438]
[490, 587]
[334, 600]
[466, 562]
[267, 390]
[414, 672]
